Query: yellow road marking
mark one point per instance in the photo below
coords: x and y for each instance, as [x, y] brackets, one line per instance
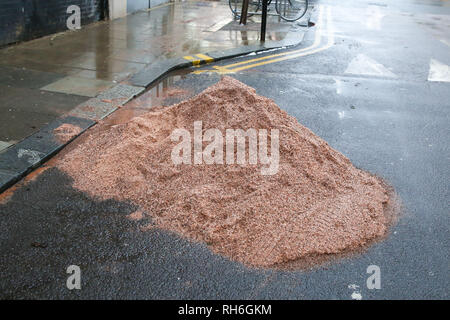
[205, 57]
[317, 40]
[196, 61]
[222, 70]
[297, 53]
[314, 48]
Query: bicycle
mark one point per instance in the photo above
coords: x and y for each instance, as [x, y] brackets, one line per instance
[288, 10]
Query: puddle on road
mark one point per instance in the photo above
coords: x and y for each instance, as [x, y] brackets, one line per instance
[154, 96]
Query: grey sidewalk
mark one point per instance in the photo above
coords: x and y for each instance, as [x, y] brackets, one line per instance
[43, 79]
[80, 77]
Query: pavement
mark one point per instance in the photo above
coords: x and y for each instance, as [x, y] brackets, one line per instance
[81, 77]
[371, 79]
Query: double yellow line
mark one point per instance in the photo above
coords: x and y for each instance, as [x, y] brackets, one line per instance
[199, 58]
[314, 48]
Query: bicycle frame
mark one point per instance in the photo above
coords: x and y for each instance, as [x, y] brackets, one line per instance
[250, 13]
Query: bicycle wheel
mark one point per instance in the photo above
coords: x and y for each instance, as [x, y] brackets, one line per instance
[236, 7]
[291, 10]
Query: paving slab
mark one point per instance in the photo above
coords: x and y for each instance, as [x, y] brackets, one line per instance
[78, 86]
[122, 91]
[107, 102]
[25, 78]
[23, 111]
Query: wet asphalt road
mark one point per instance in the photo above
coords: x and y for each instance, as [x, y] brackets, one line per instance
[394, 124]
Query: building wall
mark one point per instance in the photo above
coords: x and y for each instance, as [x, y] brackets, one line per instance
[120, 8]
[155, 3]
[136, 5]
[22, 20]
[117, 8]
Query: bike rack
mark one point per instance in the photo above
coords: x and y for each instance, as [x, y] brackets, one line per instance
[244, 13]
[263, 13]
[263, 21]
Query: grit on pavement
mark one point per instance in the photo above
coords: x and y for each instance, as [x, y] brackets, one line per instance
[376, 88]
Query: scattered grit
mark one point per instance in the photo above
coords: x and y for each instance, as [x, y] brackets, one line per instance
[66, 132]
[318, 202]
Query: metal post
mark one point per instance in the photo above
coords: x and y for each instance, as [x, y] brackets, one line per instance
[244, 12]
[263, 20]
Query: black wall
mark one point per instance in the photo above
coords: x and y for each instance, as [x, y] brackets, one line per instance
[22, 20]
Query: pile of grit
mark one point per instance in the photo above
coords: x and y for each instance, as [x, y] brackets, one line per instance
[317, 203]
